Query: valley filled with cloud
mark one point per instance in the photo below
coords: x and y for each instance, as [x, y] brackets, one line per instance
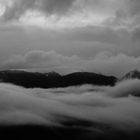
[54, 54]
[99, 110]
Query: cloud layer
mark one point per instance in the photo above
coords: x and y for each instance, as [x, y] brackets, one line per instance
[111, 106]
[16, 8]
[125, 12]
[104, 62]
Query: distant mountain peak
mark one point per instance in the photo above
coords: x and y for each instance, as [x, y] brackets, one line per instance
[135, 74]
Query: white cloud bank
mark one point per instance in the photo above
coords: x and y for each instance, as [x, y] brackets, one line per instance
[104, 105]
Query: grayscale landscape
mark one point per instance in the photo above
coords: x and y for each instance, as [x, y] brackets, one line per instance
[70, 69]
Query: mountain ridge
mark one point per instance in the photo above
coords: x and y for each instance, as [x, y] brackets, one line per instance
[54, 79]
[134, 74]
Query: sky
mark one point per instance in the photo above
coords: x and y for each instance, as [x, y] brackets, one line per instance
[70, 35]
[65, 36]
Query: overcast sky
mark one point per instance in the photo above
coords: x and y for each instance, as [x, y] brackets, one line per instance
[70, 35]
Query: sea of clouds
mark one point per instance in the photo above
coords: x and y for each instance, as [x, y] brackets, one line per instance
[117, 107]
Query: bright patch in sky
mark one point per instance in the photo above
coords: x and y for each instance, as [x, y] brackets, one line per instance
[81, 17]
[36, 18]
[2, 9]
[53, 14]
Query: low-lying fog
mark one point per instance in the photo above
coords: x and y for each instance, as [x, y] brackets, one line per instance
[117, 107]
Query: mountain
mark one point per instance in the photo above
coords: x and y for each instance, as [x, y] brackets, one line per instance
[53, 79]
[135, 74]
[80, 78]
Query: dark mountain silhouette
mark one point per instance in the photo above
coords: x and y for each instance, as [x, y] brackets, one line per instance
[135, 74]
[53, 79]
[80, 78]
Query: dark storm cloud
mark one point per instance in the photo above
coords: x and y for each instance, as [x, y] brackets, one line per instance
[128, 12]
[19, 7]
[61, 7]
[74, 13]
[134, 6]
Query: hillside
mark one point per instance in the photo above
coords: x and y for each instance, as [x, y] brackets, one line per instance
[53, 79]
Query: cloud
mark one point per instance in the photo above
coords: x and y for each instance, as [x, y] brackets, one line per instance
[41, 60]
[104, 62]
[88, 12]
[136, 34]
[126, 88]
[118, 65]
[127, 14]
[134, 6]
[109, 106]
[16, 8]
